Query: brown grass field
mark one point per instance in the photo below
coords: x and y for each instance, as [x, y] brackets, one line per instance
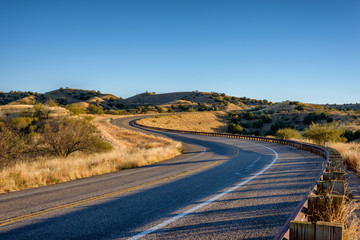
[198, 121]
[130, 149]
[350, 153]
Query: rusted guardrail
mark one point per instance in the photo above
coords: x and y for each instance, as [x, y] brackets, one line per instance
[323, 152]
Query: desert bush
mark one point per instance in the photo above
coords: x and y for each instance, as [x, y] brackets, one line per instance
[11, 144]
[202, 107]
[266, 118]
[21, 122]
[276, 126]
[75, 109]
[141, 109]
[116, 112]
[95, 109]
[327, 132]
[52, 103]
[41, 111]
[288, 133]
[65, 136]
[170, 110]
[234, 118]
[159, 109]
[349, 135]
[314, 117]
[235, 128]
[301, 107]
[249, 116]
[357, 134]
[258, 123]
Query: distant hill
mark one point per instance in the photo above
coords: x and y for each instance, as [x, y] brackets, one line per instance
[196, 99]
[255, 117]
[178, 101]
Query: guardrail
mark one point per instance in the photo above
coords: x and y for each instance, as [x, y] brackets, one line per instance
[305, 146]
[298, 213]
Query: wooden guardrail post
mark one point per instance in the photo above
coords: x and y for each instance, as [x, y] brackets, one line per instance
[334, 176]
[315, 231]
[326, 230]
[331, 187]
[302, 230]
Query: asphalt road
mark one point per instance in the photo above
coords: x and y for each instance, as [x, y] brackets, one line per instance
[220, 188]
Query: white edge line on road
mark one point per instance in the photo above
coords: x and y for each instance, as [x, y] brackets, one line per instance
[195, 208]
[55, 188]
[253, 163]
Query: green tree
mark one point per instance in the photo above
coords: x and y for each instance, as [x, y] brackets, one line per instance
[327, 132]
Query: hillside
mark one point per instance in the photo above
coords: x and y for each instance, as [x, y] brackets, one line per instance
[255, 117]
[141, 103]
[292, 114]
[197, 100]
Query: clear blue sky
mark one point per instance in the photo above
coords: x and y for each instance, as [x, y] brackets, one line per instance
[272, 49]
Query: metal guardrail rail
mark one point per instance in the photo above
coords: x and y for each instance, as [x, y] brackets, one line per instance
[323, 152]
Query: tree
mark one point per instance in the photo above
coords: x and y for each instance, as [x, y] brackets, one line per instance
[327, 132]
[65, 136]
[11, 143]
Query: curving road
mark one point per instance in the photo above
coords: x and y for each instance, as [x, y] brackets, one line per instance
[220, 188]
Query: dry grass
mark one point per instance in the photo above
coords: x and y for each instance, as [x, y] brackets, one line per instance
[131, 149]
[199, 121]
[19, 110]
[350, 153]
[345, 213]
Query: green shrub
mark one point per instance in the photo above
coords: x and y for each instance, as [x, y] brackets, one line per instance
[95, 109]
[287, 133]
[40, 111]
[357, 134]
[52, 103]
[276, 126]
[159, 109]
[249, 116]
[314, 117]
[301, 107]
[21, 122]
[328, 132]
[266, 118]
[235, 128]
[75, 109]
[258, 123]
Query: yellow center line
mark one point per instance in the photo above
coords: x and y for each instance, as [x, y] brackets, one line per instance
[111, 194]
